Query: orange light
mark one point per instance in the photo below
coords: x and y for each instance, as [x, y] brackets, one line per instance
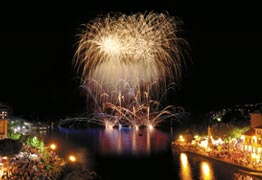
[53, 146]
[72, 158]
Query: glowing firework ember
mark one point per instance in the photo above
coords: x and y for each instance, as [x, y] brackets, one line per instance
[126, 61]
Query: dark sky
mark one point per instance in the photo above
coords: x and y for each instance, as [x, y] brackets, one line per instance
[37, 47]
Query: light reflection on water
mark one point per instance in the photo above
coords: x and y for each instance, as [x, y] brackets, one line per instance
[206, 172]
[127, 141]
[193, 167]
[143, 151]
[124, 141]
[185, 172]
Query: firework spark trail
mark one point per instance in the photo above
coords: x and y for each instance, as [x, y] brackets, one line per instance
[129, 56]
[134, 48]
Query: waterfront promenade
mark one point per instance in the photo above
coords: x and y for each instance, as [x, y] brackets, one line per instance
[234, 157]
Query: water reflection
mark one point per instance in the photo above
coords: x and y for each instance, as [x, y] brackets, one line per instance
[206, 172]
[97, 148]
[196, 167]
[122, 141]
[185, 168]
[132, 141]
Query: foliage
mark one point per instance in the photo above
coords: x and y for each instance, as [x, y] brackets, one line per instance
[200, 129]
[35, 142]
[14, 136]
[237, 132]
[227, 130]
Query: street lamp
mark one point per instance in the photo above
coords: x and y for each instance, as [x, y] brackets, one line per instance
[72, 158]
[53, 146]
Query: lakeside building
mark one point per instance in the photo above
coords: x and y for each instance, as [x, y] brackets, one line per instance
[252, 138]
[3, 123]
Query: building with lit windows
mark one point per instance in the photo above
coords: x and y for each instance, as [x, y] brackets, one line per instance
[252, 139]
[3, 128]
[3, 121]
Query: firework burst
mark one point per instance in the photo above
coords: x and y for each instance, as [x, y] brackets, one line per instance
[123, 57]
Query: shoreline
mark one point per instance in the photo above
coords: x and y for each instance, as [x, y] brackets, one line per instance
[243, 169]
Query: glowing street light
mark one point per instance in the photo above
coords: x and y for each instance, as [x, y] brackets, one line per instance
[72, 158]
[53, 146]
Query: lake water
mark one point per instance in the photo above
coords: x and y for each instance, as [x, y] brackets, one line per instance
[137, 154]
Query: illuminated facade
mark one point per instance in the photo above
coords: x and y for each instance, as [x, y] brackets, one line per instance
[252, 139]
[3, 128]
[3, 122]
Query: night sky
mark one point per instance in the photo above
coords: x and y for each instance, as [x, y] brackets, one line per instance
[37, 47]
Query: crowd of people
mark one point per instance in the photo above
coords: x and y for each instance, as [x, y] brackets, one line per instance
[32, 164]
[228, 154]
